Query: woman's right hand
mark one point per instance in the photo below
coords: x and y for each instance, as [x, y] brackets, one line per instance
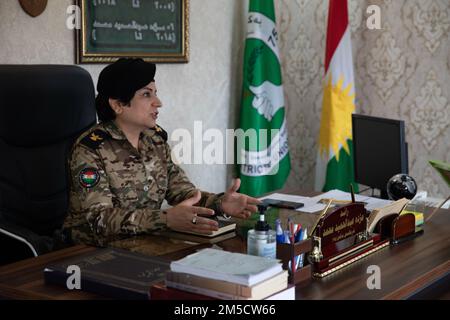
[185, 217]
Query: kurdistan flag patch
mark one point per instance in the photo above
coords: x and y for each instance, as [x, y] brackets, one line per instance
[89, 177]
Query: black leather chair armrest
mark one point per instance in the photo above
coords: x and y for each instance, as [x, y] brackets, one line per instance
[19, 243]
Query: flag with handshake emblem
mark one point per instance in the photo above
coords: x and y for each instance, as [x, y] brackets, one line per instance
[263, 155]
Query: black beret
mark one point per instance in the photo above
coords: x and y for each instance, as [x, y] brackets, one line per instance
[121, 79]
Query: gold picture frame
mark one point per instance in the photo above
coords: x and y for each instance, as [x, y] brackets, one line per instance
[162, 49]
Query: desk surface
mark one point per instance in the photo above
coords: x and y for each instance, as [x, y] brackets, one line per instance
[414, 268]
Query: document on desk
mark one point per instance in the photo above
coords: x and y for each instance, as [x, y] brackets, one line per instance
[312, 207]
[315, 205]
[286, 197]
[306, 201]
[310, 204]
[375, 203]
[339, 195]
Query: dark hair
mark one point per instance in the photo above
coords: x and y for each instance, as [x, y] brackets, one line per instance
[104, 110]
[120, 80]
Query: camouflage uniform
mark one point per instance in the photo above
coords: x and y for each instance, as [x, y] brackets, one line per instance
[117, 191]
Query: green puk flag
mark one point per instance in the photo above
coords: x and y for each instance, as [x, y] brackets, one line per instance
[263, 154]
[334, 166]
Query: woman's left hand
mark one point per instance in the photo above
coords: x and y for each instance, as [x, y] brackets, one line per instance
[238, 205]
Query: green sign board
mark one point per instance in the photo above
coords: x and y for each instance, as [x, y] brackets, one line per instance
[156, 30]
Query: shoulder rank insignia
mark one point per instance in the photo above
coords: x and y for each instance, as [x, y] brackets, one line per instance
[94, 139]
[161, 132]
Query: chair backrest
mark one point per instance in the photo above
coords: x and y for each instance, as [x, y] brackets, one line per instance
[43, 108]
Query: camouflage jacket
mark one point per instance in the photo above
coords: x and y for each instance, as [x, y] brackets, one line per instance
[116, 190]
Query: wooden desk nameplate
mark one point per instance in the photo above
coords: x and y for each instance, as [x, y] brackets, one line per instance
[340, 238]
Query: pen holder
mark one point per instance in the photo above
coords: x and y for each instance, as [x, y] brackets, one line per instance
[287, 252]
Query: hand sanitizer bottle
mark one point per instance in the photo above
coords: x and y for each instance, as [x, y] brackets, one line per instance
[261, 241]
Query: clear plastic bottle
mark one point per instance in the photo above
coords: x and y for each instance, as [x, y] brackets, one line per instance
[261, 241]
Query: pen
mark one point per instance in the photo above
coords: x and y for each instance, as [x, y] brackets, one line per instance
[286, 237]
[298, 237]
[353, 193]
[298, 233]
[291, 232]
[302, 256]
[292, 238]
[279, 231]
[297, 261]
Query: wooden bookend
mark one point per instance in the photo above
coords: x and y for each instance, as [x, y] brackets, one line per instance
[287, 252]
[398, 228]
[403, 227]
[384, 226]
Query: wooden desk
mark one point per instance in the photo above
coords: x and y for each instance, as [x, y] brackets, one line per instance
[419, 268]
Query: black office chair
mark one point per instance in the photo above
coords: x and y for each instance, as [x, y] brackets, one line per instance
[43, 108]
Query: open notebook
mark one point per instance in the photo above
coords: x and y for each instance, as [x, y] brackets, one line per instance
[378, 213]
[224, 226]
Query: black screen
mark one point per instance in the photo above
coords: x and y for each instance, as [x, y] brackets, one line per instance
[380, 150]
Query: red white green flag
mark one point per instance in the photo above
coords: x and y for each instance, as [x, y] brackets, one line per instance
[334, 167]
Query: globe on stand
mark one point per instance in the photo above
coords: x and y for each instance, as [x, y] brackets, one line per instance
[401, 186]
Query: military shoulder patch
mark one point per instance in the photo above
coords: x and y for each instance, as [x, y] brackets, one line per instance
[89, 177]
[95, 138]
[161, 132]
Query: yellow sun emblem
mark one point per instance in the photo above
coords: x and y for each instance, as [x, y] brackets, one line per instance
[336, 125]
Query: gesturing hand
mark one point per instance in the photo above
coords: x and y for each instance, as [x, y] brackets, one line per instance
[238, 205]
[184, 217]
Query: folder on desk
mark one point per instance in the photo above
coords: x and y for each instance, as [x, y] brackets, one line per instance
[112, 272]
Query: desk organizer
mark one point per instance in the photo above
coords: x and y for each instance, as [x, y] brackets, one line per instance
[286, 252]
[398, 228]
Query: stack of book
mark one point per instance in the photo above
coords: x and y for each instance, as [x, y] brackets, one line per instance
[230, 276]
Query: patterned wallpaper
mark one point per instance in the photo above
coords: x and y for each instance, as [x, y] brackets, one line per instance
[402, 71]
[202, 89]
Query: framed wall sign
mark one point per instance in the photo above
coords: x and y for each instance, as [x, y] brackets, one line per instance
[155, 30]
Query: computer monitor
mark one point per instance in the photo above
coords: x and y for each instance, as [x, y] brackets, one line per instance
[380, 150]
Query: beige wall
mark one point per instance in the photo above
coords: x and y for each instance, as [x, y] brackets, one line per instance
[204, 89]
[413, 48]
[401, 71]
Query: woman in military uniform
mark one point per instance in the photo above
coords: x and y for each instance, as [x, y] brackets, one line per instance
[121, 169]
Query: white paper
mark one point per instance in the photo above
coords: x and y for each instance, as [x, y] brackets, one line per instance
[434, 202]
[375, 203]
[286, 197]
[307, 201]
[339, 195]
[227, 266]
[312, 205]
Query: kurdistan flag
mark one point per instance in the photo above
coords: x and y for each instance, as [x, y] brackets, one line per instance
[334, 168]
[267, 164]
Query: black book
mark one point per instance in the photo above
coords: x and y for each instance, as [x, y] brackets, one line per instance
[112, 272]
